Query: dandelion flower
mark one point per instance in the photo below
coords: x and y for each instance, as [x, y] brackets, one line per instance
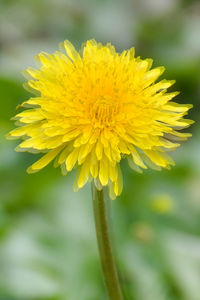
[95, 107]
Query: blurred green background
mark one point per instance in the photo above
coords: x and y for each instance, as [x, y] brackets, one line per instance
[48, 247]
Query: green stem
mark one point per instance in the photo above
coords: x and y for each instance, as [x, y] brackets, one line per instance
[102, 220]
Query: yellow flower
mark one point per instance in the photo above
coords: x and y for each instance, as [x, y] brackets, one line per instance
[162, 204]
[96, 107]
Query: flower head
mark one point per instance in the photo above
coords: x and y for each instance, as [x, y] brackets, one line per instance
[96, 107]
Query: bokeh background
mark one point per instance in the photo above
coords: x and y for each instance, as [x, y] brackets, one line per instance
[48, 247]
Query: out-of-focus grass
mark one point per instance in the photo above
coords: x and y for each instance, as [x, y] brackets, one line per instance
[47, 242]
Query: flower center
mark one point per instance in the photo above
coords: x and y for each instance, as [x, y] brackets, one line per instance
[102, 111]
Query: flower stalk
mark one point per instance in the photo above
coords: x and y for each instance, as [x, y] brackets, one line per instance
[102, 219]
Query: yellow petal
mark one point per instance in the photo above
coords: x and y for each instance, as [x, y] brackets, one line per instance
[71, 51]
[64, 154]
[72, 159]
[103, 171]
[118, 185]
[44, 161]
[136, 158]
[84, 174]
[160, 159]
[99, 150]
